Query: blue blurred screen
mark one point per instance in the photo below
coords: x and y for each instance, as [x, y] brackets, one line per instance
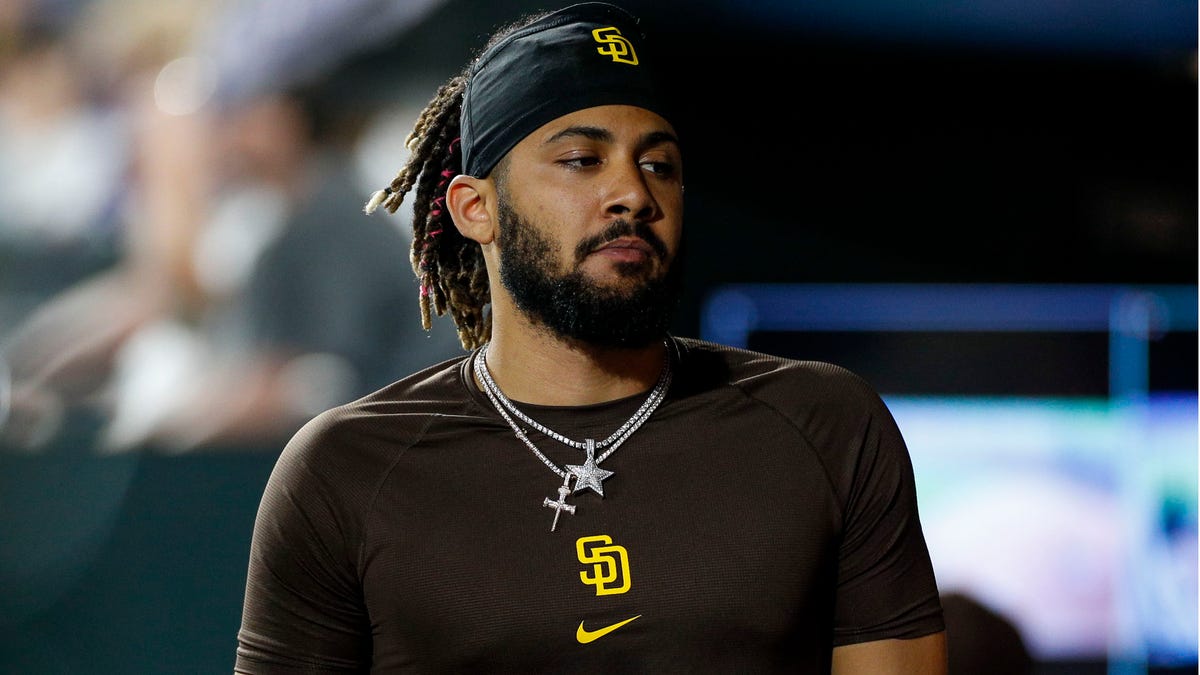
[1053, 432]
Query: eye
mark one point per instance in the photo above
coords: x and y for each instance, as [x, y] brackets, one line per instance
[579, 162]
[664, 169]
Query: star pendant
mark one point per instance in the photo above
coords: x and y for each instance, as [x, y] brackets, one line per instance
[590, 474]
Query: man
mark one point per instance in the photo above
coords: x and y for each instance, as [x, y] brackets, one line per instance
[583, 492]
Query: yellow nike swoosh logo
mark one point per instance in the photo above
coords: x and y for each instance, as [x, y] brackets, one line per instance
[586, 636]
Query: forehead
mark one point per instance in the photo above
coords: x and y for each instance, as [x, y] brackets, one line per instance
[622, 124]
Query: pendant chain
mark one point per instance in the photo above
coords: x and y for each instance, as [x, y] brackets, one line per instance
[505, 406]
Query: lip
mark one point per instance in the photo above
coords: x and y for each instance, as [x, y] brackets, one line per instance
[627, 247]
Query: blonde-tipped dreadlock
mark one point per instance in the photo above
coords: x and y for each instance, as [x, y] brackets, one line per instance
[450, 268]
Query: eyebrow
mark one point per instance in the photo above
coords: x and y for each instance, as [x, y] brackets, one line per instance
[604, 135]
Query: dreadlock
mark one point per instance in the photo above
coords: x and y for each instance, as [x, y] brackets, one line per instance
[449, 267]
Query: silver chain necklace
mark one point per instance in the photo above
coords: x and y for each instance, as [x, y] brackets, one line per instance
[589, 474]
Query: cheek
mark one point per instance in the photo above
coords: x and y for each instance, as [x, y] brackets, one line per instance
[559, 212]
[670, 200]
[671, 226]
[673, 240]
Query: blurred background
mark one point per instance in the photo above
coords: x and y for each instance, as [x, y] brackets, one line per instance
[988, 209]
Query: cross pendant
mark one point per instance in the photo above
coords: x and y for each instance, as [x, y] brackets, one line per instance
[560, 505]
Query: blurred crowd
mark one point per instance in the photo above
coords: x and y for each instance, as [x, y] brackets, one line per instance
[184, 261]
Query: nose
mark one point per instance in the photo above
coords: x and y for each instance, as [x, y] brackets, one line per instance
[629, 195]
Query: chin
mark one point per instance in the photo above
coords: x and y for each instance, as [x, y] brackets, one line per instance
[625, 276]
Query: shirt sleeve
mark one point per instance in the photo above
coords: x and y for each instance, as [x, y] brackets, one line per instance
[886, 585]
[303, 608]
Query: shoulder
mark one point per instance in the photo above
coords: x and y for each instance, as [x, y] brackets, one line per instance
[359, 440]
[331, 471]
[782, 383]
[837, 413]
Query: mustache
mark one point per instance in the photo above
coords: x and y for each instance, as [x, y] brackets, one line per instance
[618, 229]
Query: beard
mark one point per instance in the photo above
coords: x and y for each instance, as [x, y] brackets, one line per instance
[572, 306]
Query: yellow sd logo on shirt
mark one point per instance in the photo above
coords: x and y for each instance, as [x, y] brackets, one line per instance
[615, 45]
[609, 564]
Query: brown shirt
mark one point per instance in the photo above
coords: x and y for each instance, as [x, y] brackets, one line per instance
[765, 513]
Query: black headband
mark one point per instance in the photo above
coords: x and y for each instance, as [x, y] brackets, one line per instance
[579, 57]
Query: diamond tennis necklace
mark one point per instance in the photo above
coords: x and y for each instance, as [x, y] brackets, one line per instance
[589, 474]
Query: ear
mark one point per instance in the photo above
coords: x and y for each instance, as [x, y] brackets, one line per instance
[470, 201]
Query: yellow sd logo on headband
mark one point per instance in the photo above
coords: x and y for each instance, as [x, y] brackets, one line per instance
[615, 45]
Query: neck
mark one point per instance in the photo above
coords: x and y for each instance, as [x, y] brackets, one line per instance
[534, 367]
